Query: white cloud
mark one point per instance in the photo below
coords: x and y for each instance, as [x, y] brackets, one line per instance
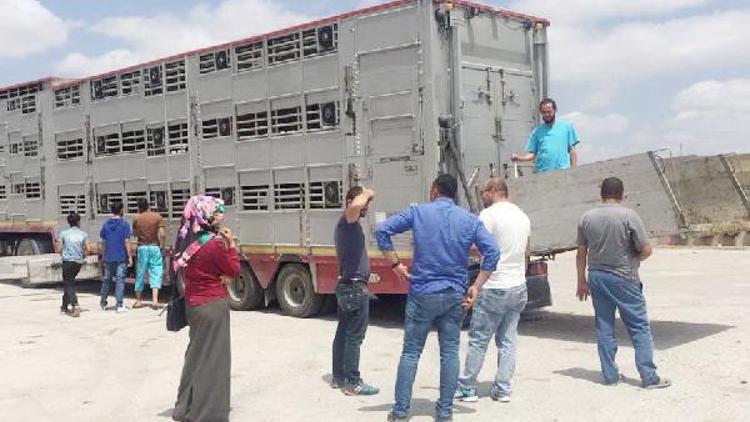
[592, 11]
[73, 63]
[709, 118]
[27, 27]
[150, 37]
[638, 50]
[601, 135]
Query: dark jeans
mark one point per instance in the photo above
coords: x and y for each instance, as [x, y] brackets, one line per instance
[444, 311]
[354, 314]
[70, 270]
[610, 292]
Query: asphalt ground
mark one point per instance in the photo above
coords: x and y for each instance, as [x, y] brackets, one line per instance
[106, 366]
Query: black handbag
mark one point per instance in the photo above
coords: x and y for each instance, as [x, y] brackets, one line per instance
[176, 316]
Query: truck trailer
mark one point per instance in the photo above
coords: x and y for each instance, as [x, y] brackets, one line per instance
[279, 126]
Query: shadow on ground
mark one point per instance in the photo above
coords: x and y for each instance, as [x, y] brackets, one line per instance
[594, 376]
[419, 407]
[580, 328]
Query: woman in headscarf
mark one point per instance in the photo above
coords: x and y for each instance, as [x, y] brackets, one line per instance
[208, 258]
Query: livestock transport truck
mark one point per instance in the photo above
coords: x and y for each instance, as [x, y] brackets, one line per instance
[279, 126]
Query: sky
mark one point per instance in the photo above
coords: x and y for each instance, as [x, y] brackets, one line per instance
[633, 75]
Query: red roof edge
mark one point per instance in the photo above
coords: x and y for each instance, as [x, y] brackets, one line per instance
[331, 19]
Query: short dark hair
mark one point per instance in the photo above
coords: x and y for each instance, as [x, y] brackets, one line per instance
[142, 204]
[612, 188]
[353, 192]
[116, 208]
[446, 185]
[548, 101]
[74, 219]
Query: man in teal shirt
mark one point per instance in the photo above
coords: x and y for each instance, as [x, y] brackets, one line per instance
[551, 144]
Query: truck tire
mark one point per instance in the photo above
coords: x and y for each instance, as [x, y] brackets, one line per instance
[245, 293]
[296, 293]
[27, 247]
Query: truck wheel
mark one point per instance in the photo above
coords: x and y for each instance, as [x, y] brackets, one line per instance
[296, 293]
[27, 247]
[245, 293]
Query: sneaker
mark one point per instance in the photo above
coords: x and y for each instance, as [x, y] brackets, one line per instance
[121, 309]
[448, 418]
[361, 389]
[660, 383]
[497, 395]
[501, 399]
[76, 312]
[392, 417]
[467, 394]
[620, 378]
[103, 305]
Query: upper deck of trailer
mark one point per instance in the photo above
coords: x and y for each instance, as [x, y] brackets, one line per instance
[60, 83]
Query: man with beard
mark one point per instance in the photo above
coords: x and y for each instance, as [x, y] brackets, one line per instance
[551, 144]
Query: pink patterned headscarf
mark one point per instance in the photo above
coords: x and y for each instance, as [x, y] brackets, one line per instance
[200, 222]
[202, 213]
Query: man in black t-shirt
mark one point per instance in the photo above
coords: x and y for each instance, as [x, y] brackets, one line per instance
[352, 295]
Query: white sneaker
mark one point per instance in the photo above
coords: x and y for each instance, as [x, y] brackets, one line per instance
[121, 309]
[501, 399]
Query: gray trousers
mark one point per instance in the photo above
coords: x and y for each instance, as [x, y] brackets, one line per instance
[204, 390]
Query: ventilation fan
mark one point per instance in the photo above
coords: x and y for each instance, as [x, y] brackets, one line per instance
[225, 128]
[98, 92]
[158, 135]
[227, 195]
[160, 199]
[332, 194]
[104, 203]
[325, 38]
[154, 76]
[221, 60]
[328, 114]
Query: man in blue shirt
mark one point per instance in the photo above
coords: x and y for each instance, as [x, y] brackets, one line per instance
[115, 234]
[551, 144]
[443, 235]
[71, 245]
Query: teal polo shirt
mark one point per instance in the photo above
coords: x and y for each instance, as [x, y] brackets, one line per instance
[551, 145]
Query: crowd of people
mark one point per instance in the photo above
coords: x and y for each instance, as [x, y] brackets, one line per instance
[611, 244]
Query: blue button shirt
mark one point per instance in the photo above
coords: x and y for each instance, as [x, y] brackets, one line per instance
[443, 235]
[552, 144]
[73, 244]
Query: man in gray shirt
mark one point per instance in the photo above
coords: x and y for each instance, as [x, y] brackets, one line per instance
[612, 238]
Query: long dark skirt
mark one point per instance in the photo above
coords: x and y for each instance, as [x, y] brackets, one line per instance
[204, 386]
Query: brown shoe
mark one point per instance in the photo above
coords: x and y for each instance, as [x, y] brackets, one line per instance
[76, 312]
[137, 305]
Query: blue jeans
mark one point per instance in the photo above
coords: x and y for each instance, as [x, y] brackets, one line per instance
[353, 312]
[422, 311]
[114, 272]
[497, 312]
[610, 291]
[149, 260]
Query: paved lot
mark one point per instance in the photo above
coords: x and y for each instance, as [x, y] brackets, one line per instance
[125, 367]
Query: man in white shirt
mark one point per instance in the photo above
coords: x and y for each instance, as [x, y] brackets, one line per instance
[501, 298]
